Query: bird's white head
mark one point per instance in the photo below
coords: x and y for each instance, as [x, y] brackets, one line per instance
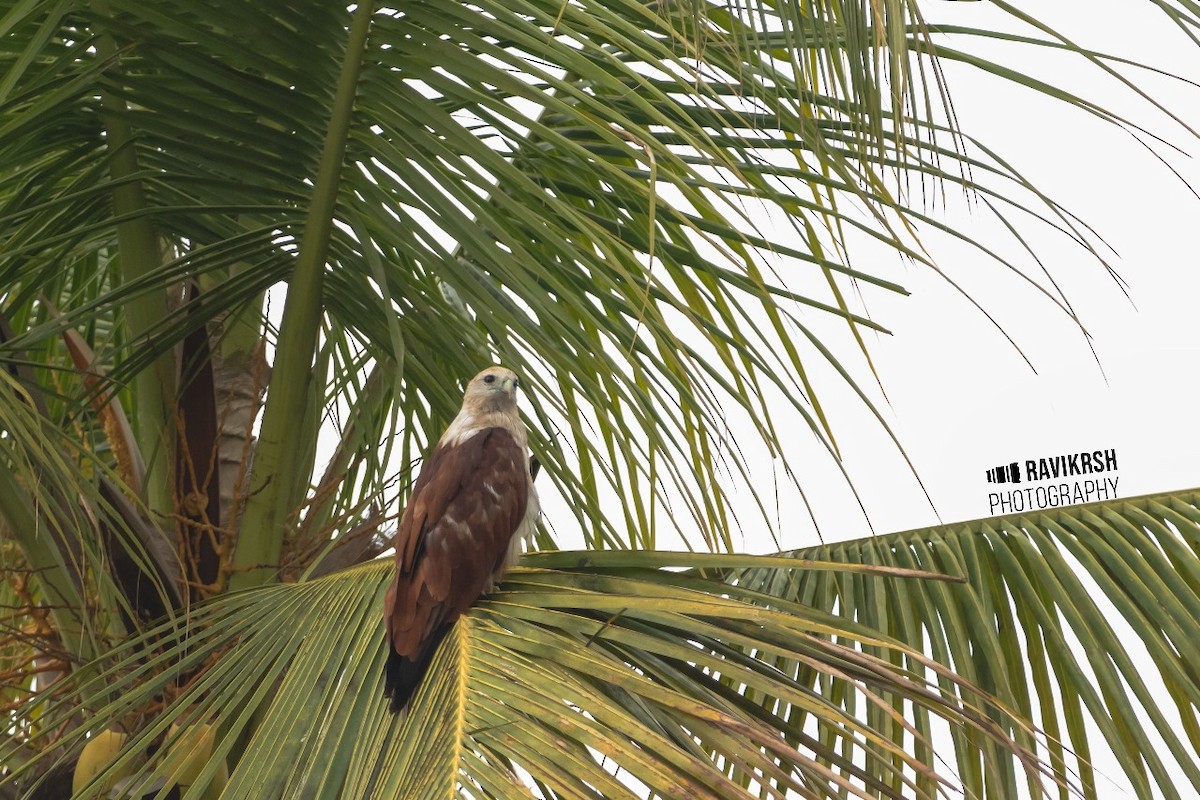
[490, 401]
[491, 391]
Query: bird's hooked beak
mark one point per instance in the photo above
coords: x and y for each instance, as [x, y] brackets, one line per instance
[510, 385]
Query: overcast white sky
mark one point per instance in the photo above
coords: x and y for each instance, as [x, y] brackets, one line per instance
[961, 398]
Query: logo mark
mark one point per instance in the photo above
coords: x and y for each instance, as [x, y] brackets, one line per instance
[1057, 480]
[1010, 473]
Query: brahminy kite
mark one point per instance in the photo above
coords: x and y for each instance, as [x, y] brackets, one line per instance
[470, 509]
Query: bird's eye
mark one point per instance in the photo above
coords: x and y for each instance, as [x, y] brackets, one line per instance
[489, 378]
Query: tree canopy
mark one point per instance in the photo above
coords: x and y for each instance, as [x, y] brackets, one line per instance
[227, 227]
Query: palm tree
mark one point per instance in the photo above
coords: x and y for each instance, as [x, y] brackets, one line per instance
[384, 199]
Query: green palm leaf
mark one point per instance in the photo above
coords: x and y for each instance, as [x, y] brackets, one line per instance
[586, 681]
[1063, 601]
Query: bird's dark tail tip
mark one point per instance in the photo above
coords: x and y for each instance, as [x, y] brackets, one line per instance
[402, 675]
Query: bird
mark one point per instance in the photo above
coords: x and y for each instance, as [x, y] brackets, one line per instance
[471, 507]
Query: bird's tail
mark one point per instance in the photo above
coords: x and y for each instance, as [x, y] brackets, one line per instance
[402, 675]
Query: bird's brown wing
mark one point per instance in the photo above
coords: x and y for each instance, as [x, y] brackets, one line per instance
[453, 536]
